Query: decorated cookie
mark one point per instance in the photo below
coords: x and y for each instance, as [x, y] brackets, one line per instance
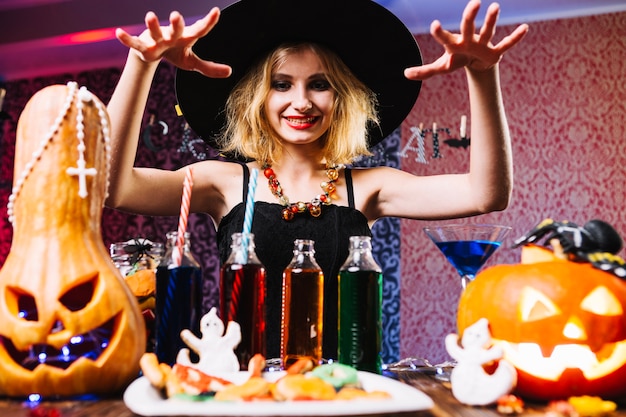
[471, 384]
[336, 374]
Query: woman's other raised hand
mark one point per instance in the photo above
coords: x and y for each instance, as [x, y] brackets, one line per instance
[467, 48]
[174, 43]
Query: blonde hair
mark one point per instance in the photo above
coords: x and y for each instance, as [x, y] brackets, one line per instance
[247, 132]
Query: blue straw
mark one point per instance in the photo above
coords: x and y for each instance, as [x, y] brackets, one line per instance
[247, 220]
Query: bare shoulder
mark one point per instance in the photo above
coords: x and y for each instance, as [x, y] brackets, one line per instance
[368, 182]
[221, 168]
[374, 176]
[381, 191]
[217, 186]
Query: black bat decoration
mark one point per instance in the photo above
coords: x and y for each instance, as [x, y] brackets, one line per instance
[458, 143]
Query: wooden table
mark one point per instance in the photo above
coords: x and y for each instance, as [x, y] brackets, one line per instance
[448, 406]
[445, 405]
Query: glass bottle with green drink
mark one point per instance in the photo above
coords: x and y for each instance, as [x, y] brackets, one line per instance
[360, 308]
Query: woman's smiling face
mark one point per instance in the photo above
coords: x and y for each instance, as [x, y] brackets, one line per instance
[301, 101]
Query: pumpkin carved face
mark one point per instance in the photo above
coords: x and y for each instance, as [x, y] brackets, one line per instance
[69, 325]
[560, 323]
[74, 338]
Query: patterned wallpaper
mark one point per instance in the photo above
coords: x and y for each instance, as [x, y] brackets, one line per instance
[564, 89]
[565, 94]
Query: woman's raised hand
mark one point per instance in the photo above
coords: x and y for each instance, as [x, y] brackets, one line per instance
[174, 43]
[468, 49]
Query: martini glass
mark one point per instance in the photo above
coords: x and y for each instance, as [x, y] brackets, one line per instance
[467, 246]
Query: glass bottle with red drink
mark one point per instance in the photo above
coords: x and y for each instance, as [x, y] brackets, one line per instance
[242, 296]
[302, 306]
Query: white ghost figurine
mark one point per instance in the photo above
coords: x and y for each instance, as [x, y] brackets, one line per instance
[471, 385]
[215, 348]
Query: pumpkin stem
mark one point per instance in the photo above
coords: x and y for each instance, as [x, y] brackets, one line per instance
[557, 248]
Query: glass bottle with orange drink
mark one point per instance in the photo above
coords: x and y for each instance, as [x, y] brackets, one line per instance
[302, 306]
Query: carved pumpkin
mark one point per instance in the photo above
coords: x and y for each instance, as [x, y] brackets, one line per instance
[69, 325]
[560, 323]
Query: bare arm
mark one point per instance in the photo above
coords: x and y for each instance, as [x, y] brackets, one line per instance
[485, 188]
[488, 184]
[145, 190]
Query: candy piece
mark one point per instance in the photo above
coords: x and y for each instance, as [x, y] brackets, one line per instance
[44, 412]
[336, 374]
[195, 382]
[254, 388]
[301, 366]
[295, 387]
[151, 370]
[510, 404]
[588, 406]
[354, 393]
[172, 383]
[560, 408]
[142, 283]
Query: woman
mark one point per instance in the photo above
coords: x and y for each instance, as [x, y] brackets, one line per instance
[300, 97]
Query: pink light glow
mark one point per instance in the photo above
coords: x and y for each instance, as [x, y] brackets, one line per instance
[88, 36]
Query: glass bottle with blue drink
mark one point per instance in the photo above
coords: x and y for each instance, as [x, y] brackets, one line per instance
[360, 308]
[178, 299]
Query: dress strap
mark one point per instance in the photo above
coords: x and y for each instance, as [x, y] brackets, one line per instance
[246, 180]
[348, 175]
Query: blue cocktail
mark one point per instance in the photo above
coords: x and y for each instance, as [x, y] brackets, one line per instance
[467, 246]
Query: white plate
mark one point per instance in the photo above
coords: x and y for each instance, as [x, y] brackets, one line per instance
[143, 399]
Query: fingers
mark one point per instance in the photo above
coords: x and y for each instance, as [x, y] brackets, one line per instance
[152, 23]
[211, 69]
[199, 29]
[177, 25]
[511, 40]
[124, 37]
[489, 27]
[424, 72]
[468, 27]
[468, 48]
[206, 24]
[441, 35]
[177, 29]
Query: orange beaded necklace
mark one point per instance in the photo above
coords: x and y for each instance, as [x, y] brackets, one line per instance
[314, 207]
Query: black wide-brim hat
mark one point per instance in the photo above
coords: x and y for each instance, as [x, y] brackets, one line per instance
[371, 41]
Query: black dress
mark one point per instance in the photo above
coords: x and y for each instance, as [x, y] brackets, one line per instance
[274, 238]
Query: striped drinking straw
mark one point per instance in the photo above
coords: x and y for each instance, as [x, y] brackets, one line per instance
[182, 219]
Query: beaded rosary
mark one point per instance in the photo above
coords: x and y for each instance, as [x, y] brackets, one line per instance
[314, 207]
[82, 96]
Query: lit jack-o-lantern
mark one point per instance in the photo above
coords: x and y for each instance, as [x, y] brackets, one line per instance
[560, 323]
[69, 325]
